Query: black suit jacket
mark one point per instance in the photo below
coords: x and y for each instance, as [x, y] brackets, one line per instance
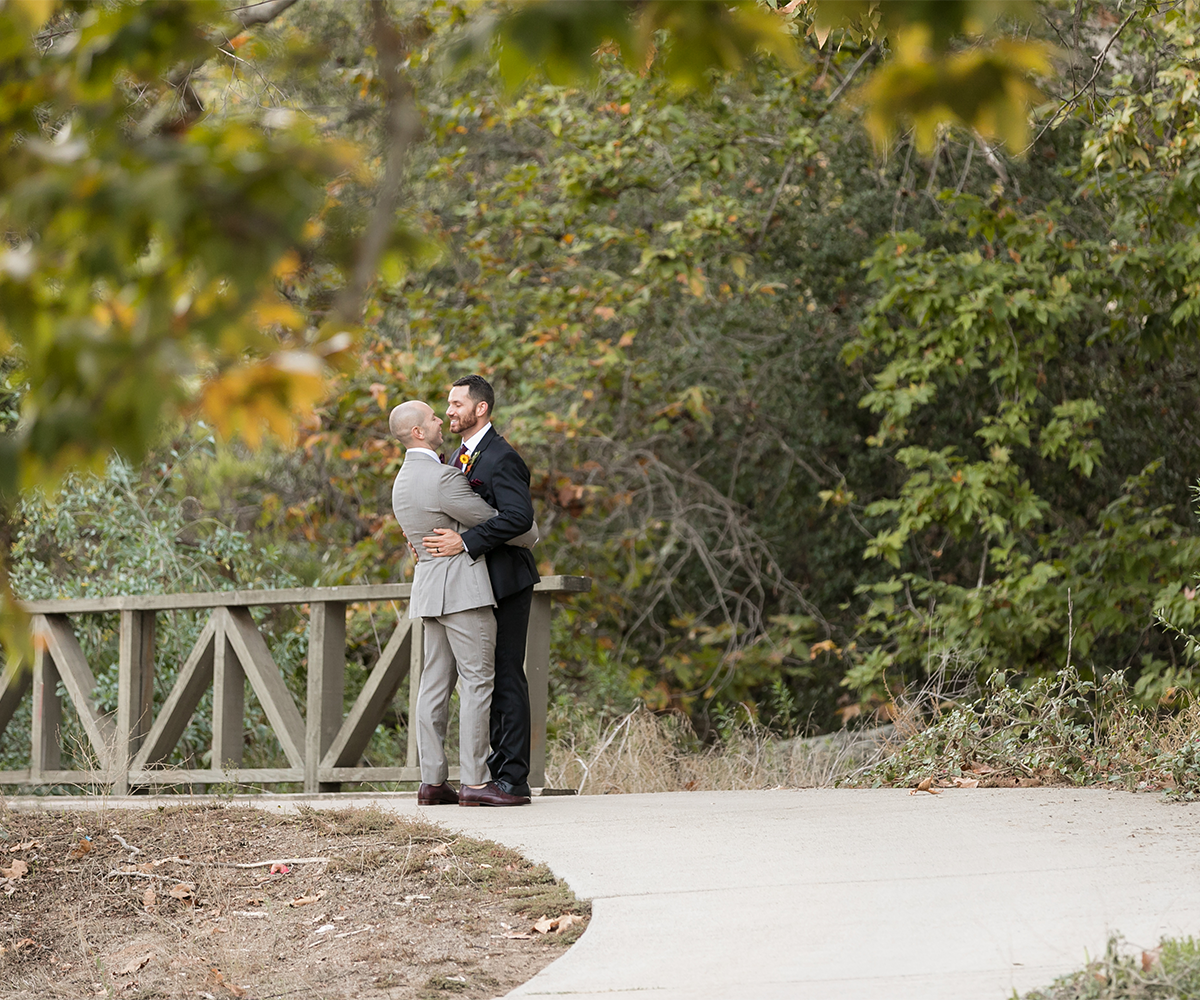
[499, 475]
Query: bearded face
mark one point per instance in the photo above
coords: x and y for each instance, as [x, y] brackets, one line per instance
[462, 411]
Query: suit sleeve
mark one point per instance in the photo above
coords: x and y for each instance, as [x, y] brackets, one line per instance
[510, 489]
[456, 498]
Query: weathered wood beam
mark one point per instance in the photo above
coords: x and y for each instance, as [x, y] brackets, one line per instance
[221, 599]
[56, 632]
[15, 681]
[326, 686]
[416, 663]
[537, 675]
[373, 700]
[267, 681]
[369, 774]
[194, 678]
[135, 692]
[262, 598]
[215, 775]
[229, 704]
[46, 736]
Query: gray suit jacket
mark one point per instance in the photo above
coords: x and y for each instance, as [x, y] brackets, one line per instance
[428, 495]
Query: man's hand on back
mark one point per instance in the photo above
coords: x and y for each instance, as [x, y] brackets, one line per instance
[443, 542]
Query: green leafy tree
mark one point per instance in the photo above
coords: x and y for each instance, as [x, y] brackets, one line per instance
[1026, 525]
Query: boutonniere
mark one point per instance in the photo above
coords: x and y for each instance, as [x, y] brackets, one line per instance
[468, 462]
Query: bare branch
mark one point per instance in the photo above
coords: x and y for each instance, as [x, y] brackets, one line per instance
[253, 14]
[403, 125]
[180, 78]
[871, 50]
[993, 161]
[1097, 66]
[787, 169]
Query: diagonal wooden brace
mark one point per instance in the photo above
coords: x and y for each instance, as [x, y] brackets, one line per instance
[267, 681]
[392, 667]
[72, 666]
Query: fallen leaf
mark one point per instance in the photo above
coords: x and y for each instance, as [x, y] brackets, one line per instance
[25, 845]
[182, 891]
[966, 782]
[279, 869]
[547, 925]
[925, 786]
[134, 964]
[23, 944]
[304, 900]
[80, 849]
[150, 900]
[18, 870]
[440, 849]
[1150, 958]
[485, 866]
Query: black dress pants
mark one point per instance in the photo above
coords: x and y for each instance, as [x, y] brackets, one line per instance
[509, 723]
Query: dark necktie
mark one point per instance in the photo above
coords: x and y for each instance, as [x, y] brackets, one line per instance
[458, 460]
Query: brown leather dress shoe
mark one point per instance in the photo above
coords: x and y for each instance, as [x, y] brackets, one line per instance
[437, 795]
[489, 795]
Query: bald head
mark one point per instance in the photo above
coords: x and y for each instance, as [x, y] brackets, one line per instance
[416, 425]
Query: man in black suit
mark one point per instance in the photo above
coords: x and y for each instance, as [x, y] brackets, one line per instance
[500, 477]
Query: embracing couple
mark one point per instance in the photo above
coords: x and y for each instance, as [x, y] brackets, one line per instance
[470, 525]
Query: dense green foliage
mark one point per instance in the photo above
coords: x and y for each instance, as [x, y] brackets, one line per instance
[813, 414]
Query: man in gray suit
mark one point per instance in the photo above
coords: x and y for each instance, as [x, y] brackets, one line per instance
[454, 597]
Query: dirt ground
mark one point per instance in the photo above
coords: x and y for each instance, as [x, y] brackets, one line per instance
[217, 902]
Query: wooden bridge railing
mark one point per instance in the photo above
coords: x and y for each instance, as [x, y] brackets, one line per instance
[323, 748]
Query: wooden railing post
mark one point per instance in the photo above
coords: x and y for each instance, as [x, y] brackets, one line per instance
[416, 664]
[135, 692]
[46, 752]
[229, 703]
[537, 675]
[326, 688]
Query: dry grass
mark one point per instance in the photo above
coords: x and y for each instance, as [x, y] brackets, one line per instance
[393, 907]
[644, 752]
[1063, 729]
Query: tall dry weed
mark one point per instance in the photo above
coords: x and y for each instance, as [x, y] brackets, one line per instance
[645, 752]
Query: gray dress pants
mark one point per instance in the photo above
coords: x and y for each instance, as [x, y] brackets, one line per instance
[459, 646]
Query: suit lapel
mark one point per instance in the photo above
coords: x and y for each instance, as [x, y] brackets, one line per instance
[488, 438]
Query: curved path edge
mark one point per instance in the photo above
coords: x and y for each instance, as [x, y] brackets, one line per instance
[837, 894]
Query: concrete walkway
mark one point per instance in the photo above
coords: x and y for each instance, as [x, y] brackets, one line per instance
[830, 894]
[835, 894]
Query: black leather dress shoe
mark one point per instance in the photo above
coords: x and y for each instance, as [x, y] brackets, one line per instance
[437, 795]
[489, 795]
[507, 786]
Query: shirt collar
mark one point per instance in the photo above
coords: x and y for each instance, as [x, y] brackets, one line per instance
[472, 442]
[425, 451]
